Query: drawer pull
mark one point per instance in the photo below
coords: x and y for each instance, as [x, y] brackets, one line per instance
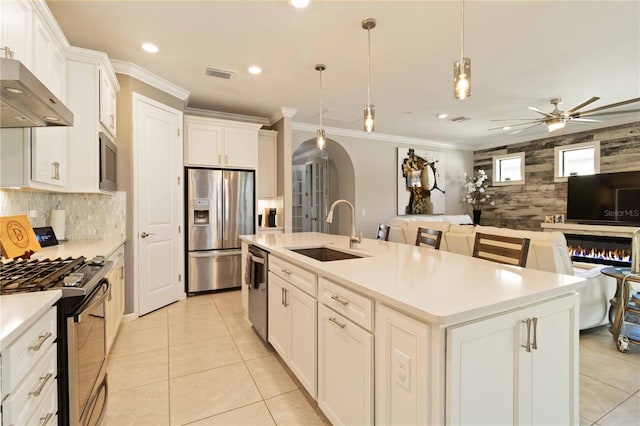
[336, 322]
[286, 271]
[339, 300]
[44, 420]
[41, 339]
[43, 381]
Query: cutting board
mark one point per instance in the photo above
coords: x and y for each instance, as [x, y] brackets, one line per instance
[17, 237]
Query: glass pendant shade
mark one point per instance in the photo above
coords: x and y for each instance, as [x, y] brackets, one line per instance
[462, 78]
[320, 139]
[556, 124]
[369, 118]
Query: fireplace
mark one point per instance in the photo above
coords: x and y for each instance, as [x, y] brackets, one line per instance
[604, 250]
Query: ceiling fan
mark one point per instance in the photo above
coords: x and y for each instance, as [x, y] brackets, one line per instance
[557, 119]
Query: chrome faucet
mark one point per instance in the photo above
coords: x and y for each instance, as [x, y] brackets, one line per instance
[353, 239]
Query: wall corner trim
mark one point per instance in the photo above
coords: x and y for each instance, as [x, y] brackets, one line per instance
[139, 73]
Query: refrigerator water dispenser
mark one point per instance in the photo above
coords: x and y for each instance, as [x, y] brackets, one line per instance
[201, 211]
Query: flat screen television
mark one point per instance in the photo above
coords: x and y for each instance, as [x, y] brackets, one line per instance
[605, 199]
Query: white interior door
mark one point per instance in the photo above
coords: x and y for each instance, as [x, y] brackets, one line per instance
[157, 142]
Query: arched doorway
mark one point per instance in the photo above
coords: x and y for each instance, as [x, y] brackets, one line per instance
[320, 177]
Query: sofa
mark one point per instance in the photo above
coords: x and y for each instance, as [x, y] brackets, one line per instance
[548, 251]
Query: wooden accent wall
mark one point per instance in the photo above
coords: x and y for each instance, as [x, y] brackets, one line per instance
[525, 206]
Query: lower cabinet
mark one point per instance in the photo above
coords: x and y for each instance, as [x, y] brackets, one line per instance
[345, 369]
[292, 329]
[114, 305]
[516, 368]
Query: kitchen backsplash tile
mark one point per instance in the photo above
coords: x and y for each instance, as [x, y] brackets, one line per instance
[88, 216]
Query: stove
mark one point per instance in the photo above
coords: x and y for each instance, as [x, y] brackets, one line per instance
[74, 276]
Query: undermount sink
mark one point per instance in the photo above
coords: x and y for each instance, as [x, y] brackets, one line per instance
[325, 254]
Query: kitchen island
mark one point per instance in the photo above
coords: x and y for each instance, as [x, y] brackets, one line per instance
[455, 340]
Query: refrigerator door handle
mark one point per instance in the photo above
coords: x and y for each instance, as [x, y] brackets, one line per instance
[215, 253]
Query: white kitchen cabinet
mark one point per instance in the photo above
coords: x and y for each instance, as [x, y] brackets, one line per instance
[114, 305]
[402, 382]
[107, 102]
[516, 368]
[86, 70]
[15, 31]
[212, 142]
[49, 156]
[292, 329]
[267, 164]
[345, 369]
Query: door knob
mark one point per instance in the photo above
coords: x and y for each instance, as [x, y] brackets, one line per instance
[145, 234]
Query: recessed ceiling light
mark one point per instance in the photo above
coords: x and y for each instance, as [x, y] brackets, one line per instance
[299, 3]
[150, 47]
[506, 128]
[254, 69]
[442, 115]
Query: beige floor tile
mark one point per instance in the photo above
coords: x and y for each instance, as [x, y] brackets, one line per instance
[141, 406]
[585, 422]
[153, 320]
[250, 345]
[193, 311]
[270, 376]
[599, 359]
[183, 331]
[202, 355]
[294, 409]
[130, 371]
[252, 415]
[211, 392]
[236, 323]
[627, 413]
[136, 341]
[228, 302]
[597, 398]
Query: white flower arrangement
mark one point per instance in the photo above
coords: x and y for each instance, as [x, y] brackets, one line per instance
[475, 188]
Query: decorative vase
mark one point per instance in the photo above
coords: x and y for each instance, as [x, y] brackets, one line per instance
[476, 217]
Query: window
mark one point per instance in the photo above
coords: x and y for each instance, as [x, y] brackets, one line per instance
[508, 169]
[577, 159]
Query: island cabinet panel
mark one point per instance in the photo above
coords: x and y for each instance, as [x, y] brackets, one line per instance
[402, 379]
[516, 368]
[292, 329]
[345, 369]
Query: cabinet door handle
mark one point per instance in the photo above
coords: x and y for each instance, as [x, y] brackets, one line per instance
[339, 300]
[44, 420]
[286, 297]
[43, 381]
[226, 159]
[286, 271]
[336, 322]
[528, 345]
[219, 158]
[41, 339]
[534, 345]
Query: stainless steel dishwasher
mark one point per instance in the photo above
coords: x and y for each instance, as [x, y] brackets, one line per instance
[257, 283]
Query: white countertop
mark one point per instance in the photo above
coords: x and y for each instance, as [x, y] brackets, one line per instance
[77, 248]
[437, 286]
[19, 311]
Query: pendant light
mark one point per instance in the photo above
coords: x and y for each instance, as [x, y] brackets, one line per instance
[320, 136]
[369, 109]
[462, 70]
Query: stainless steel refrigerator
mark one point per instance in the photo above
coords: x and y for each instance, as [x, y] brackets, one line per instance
[220, 208]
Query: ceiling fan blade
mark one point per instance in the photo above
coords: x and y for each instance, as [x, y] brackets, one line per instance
[582, 105]
[617, 104]
[585, 120]
[522, 130]
[521, 119]
[546, 114]
[586, 113]
[519, 124]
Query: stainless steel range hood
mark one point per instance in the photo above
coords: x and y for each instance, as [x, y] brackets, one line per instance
[26, 102]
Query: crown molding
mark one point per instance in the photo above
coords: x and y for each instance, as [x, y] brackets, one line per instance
[139, 73]
[284, 112]
[226, 116]
[49, 20]
[394, 139]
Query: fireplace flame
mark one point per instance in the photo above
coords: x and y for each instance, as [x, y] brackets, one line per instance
[597, 253]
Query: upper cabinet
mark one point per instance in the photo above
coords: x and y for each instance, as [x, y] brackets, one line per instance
[15, 31]
[89, 75]
[267, 149]
[212, 142]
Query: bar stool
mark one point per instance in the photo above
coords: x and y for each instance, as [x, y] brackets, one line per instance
[383, 232]
[501, 249]
[429, 237]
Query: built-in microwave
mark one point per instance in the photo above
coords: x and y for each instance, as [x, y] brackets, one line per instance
[108, 164]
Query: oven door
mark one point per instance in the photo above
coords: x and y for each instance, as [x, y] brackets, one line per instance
[87, 358]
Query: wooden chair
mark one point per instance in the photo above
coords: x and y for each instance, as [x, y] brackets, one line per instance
[383, 232]
[501, 249]
[429, 237]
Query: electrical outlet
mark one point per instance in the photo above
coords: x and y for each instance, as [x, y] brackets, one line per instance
[402, 369]
[33, 213]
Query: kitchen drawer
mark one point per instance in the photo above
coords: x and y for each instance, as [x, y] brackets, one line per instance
[46, 413]
[301, 278]
[357, 308]
[33, 391]
[20, 357]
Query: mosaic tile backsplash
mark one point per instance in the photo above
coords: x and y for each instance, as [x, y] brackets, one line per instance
[88, 216]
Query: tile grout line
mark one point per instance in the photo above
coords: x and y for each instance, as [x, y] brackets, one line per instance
[616, 407]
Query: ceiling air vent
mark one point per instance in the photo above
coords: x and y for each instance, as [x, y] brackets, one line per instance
[214, 72]
[460, 119]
